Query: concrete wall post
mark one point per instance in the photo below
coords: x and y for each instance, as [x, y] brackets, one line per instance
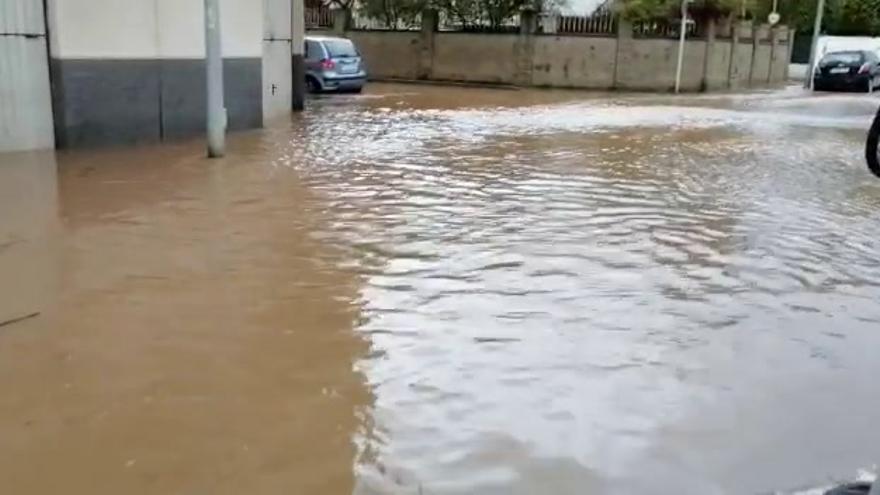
[757, 35]
[341, 21]
[528, 22]
[525, 47]
[775, 50]
[430, 24]
[734, 42]
[710, 43]
[791, 34]
[624, 37]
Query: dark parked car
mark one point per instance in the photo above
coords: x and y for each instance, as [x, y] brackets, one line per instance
[850, 70]
[333, 64]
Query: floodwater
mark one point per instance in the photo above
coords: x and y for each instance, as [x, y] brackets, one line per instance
[428, 290]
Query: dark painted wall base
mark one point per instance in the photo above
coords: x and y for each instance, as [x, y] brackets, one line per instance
[298, 94]
[104, 102]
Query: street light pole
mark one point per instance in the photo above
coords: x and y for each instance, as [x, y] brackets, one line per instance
[298, 34]
[817, 30]
[681, 42]
[216, 111]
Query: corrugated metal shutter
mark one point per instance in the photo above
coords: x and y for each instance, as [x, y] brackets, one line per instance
[22, 17]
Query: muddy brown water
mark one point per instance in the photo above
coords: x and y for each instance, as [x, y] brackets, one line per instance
[450, 291]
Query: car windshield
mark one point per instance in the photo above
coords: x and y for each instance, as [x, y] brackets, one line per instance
[842, 58]
[340, 48]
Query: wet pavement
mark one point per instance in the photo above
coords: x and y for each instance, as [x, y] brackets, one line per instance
[429, 290]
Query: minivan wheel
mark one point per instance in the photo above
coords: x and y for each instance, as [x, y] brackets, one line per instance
[312, 85]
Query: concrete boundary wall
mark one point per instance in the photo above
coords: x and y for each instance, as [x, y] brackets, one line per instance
[738, 55]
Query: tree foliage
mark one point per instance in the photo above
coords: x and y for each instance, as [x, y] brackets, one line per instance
[656, 9]
[467, 14]
[394, 13]
[854, 18]
[844, 17]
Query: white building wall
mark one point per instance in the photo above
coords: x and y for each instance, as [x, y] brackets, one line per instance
[144, 29]
[104, 29]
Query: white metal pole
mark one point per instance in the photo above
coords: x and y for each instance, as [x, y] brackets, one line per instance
[814, 49]
[298, 34]
[216, 114]
[681, 42]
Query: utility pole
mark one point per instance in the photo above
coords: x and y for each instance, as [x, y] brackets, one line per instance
[216, 115]
[681, 42]
[817, 30]
[298, 34]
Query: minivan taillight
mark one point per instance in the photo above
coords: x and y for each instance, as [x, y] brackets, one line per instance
[328, 64]
[865, 68]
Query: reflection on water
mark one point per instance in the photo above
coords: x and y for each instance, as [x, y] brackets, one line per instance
[454, 291]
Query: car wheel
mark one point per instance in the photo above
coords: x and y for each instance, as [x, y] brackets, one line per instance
[312, 85]
[872, 146]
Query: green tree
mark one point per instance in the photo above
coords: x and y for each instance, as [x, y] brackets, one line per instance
[656, 9]
[395, 14]
[855, 18]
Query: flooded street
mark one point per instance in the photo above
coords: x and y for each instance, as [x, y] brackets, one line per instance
[442, 291]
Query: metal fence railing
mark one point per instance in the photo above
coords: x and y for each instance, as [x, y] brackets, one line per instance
[664, 29]
[366, 23]
[318, 17]
[476, 24]
[600, 23]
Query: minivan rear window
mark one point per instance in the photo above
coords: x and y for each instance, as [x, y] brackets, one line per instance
[843, 58]
[340, 48]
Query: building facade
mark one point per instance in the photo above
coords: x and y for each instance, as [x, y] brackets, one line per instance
[81, 73]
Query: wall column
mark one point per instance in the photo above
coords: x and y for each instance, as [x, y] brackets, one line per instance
[341, 21]
[298, 64]
[430, 23]
[710, 43]
[734, 42]
[525, 47]
[624, 36]
[760, 34]
[276, 58]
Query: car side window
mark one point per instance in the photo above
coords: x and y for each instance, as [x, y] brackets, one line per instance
[313, 51]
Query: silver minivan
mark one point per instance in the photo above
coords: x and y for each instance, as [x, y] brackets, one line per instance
[333, 64]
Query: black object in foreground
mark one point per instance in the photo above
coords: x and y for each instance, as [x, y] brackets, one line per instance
[20, 318]
[858, 488]
[871, 151]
